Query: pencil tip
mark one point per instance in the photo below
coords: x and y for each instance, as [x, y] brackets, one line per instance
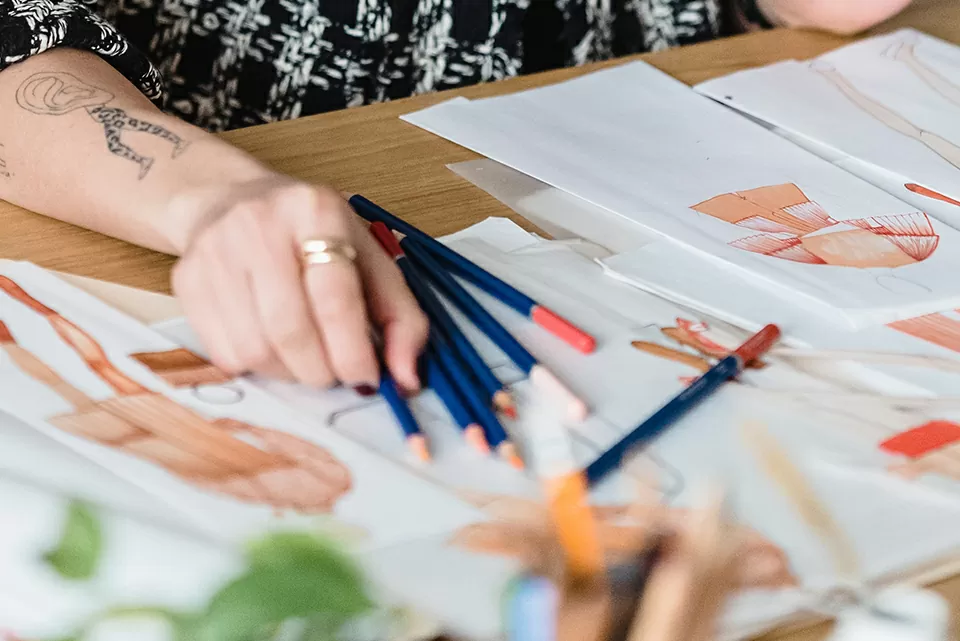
[418, 445]
[475, 437]
[508, 452]
[504, 402]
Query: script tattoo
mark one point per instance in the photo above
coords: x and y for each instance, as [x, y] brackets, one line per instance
[54, 93]
[3, 164]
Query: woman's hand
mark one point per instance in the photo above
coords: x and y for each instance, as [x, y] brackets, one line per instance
[258, 309]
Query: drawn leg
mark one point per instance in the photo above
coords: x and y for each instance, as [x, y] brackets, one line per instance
[943, 148]
[905, 52]
[112, 122]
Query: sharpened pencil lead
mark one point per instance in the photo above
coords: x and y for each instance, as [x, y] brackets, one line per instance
[503, 401]
[475, 437]
[508, 452]
[418, 445]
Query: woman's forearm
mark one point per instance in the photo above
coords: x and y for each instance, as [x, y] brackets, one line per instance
[80, 143]
[844, 17]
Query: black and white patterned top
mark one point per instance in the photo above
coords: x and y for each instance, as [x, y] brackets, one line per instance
[232, 63]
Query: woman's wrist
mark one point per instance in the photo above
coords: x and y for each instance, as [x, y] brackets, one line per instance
[202, 188]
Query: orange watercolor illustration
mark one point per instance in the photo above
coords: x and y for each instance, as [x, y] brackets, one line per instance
[929, 193]
[931, 448]
[226, 456]
[690, 343]
[182, 368]
[938, 329]
[792, 227]
[522, 530]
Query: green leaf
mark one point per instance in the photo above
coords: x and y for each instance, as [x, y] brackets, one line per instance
[77, 554]
[291, 576]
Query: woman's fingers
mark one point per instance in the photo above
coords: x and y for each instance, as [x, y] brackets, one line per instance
[281, 302]
[258, 308]
[334, 290]
[393, 309]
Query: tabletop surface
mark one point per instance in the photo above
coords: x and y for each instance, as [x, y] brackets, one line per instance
[369, 150]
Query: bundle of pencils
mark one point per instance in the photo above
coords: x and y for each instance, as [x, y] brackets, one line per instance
[671, 589]
[474, 396]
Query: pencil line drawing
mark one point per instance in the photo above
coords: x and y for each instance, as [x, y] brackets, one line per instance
[225, 456]
[939, 145]
[794, 228]
[938, 329]
[905, 51]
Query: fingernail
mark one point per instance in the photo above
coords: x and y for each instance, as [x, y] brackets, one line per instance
[365, 390]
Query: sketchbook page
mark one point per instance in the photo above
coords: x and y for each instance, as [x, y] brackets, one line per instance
[30, 457]
[758, 203]
[671, 343]
[141, 565]
[230, 458]
[918, 356]
[891, 101]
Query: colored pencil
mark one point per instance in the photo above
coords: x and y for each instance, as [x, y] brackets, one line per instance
[532, 604]
[416, 441]
[539, 374]
[475, 398]
[438, 314]
[504, 292]
[439, 381]
[692, 396]
[492, 429]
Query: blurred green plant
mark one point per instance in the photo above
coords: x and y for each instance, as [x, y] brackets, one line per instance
[295, 581]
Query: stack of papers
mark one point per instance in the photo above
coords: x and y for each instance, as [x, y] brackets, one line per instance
[644, 146]
[886, 109]
[420, 530]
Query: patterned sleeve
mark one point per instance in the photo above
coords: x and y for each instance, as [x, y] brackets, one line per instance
[30, 27]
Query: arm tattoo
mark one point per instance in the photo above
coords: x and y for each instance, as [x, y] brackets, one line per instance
[54, 93]
[4, 172]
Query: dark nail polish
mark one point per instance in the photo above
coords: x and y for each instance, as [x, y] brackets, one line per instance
[365, 390]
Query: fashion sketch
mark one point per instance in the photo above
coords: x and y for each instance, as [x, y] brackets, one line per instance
[791, 227]
[224, 455]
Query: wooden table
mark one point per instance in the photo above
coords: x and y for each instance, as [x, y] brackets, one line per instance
[370, 150]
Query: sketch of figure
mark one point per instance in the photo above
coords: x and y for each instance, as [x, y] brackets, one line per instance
[692, 343]
[939, 145]
[905, 52]
[931, 448]
[939, 329]
[522, 529]
[54, 93]
[792, 227]
[226, 456]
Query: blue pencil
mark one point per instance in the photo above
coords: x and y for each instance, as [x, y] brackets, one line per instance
[692, 396]
[411, 429]
[476, 402]
[501, 398]
[504, 292]
[439, 381]
[539, 374]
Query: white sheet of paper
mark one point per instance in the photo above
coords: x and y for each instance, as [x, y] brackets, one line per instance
[638, 143]
[890, 103]
[385, 501]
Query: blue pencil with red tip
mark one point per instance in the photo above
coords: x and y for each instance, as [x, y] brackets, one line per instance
[463, 267]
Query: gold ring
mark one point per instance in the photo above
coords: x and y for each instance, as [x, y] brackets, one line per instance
[324, 252]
